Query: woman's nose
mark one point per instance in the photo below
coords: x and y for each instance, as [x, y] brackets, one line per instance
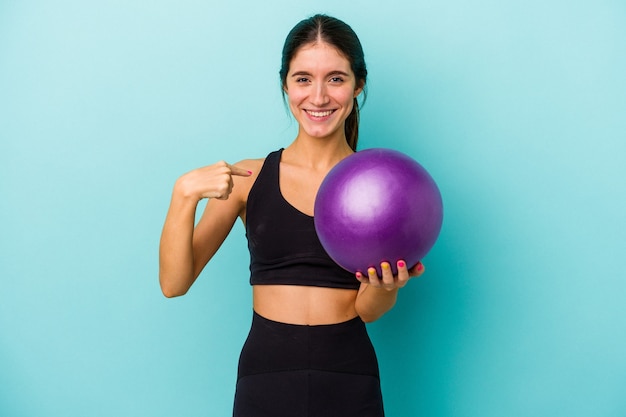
[320, 95]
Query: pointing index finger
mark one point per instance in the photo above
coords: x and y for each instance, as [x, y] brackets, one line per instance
[235, 170]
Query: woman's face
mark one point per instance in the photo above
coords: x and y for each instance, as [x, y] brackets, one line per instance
[321, 88]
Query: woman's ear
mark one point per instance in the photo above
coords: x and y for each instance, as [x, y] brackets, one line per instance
[359, 88]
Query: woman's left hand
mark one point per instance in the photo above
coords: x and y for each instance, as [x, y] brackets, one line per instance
[389, 281]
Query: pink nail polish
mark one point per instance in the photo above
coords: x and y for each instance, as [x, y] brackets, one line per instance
[401, 264]
[250, 172]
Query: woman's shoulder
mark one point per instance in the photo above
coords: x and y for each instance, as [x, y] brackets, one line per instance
[243, 184]
[253, 165]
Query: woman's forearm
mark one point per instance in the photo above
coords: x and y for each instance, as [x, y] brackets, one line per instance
[176, 263]
[372, 303]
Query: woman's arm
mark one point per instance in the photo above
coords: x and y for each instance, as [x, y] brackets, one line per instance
[185, 250]
[378, 295]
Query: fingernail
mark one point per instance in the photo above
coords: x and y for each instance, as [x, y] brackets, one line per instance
[371, 270]
[359, 275]
[401, 264]
[420, 266]
[250, 172]
[385, 265]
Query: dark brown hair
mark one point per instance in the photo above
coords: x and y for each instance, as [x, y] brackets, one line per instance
[338, 34]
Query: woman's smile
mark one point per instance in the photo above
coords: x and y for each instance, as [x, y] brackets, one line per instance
[319, 115]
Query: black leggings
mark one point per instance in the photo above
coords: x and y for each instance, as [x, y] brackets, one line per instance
[288, 370]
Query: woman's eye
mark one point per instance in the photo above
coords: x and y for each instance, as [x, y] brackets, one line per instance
[302, 80]
[336, 80]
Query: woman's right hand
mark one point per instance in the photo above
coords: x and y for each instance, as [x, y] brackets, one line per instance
[213, 181]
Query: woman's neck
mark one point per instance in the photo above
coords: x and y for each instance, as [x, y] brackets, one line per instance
[317, 154]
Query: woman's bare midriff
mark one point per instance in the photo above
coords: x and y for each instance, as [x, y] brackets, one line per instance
[296, 304]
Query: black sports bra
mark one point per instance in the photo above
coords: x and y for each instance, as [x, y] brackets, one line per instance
[284, 247]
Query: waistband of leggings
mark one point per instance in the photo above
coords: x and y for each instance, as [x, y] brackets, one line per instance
[256, 317]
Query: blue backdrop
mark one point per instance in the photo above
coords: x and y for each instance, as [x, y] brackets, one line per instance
[516, 108]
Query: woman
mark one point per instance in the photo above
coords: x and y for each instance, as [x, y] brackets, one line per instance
[308, 352]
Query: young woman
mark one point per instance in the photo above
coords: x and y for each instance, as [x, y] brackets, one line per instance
[308, 352]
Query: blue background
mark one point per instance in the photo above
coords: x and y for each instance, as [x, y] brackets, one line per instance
[517, 108]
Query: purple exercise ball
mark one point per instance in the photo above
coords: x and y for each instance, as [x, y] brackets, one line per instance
[378, 205]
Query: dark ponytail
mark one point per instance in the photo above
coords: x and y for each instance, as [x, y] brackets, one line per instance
[352, 126]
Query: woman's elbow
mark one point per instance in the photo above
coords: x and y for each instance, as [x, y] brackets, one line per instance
[172, 293]
[369, 317]
[370, 313]
[170, 288]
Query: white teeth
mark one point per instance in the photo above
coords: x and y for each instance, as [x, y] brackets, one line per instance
[320, 113]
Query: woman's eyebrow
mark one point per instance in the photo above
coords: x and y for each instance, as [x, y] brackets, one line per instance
[345, 74]
[335, 72]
